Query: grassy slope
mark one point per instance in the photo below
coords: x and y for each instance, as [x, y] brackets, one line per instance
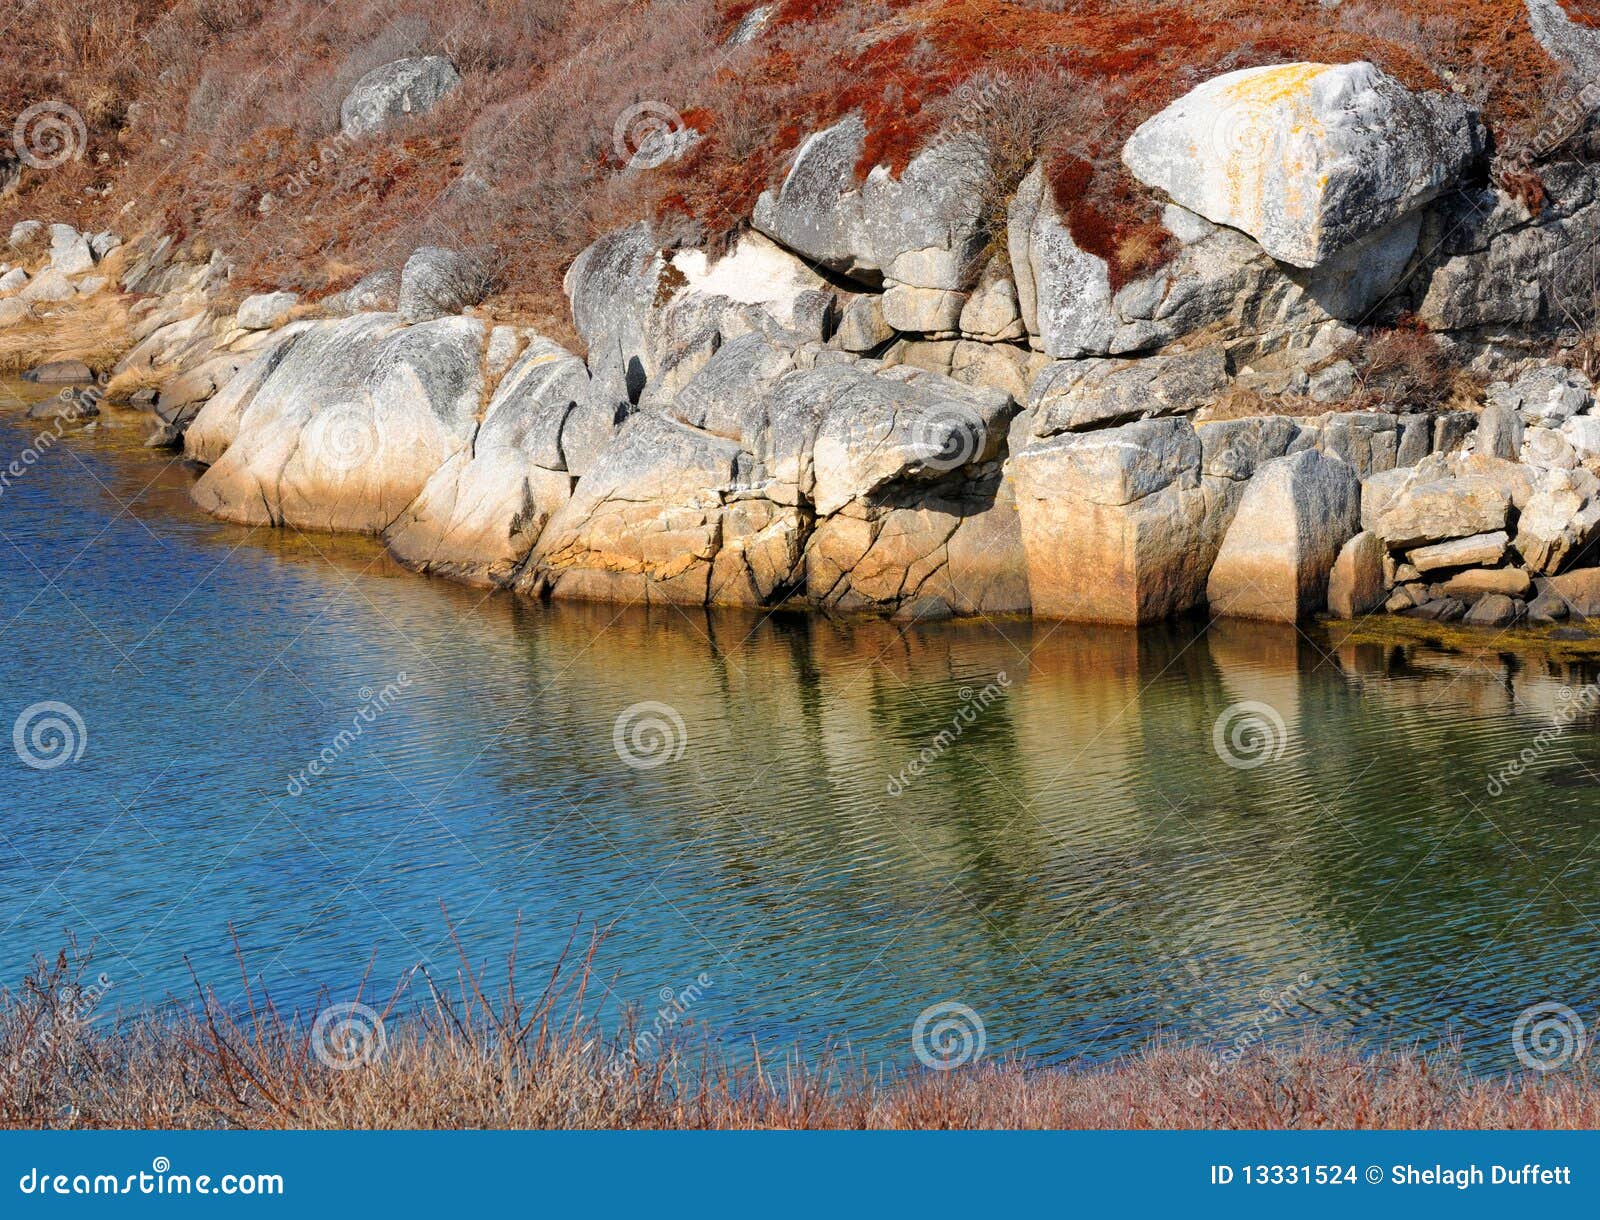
[197, 109]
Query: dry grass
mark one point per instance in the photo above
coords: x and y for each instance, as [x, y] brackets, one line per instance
[96, 330]
[199, 112]
[464, 1060]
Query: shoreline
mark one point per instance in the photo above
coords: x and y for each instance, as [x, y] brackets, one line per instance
[1381, 630]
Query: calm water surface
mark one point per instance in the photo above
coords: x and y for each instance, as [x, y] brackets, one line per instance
[1080, 865]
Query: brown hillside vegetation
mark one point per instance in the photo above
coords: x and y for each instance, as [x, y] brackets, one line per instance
[218, 119]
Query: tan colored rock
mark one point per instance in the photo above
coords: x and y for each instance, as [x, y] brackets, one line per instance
[1477, 582]
[1480, 550]
[1356, 585]
[1296, 515]
[1114, 523]
[1579, 590]
[1442, 509]
[347, 443]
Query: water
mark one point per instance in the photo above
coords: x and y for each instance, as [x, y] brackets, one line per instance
[1079, 864]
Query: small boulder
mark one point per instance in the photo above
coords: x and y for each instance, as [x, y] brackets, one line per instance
[14, 279]
[1335, 383]
[1494, 610]
[265, 310]
[69, 251]
[1579, 591]
[862, 327]
[69, 404]
[396, 91]
[1439, 610]
[1476, 582]
[1499, 433]
[1355, 586]
[60, 372]
[375, 292]
[437, 283]
[24, 233]
[48, 286]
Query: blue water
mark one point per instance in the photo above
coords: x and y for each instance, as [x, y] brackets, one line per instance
[1079, 864]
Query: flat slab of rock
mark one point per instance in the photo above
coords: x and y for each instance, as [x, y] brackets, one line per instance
[1442, 509]
[1075, 395]
[1480, 550]
[1306, 158]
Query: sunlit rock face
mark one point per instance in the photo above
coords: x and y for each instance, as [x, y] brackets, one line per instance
[1306, 158]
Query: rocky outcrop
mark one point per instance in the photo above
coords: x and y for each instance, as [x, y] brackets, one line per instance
[348, 428]
[486, 505]
[395, 92]
[1306, 158]
[860, 404]
[921, 229]
[265, 310]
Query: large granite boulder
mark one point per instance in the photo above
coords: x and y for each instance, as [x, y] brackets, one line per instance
[1114, 522]
[485, 507]
[1296, 515]
[347, 430]
[1437, 510]
[1306, 158]
[396, 91]
[922, 228]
